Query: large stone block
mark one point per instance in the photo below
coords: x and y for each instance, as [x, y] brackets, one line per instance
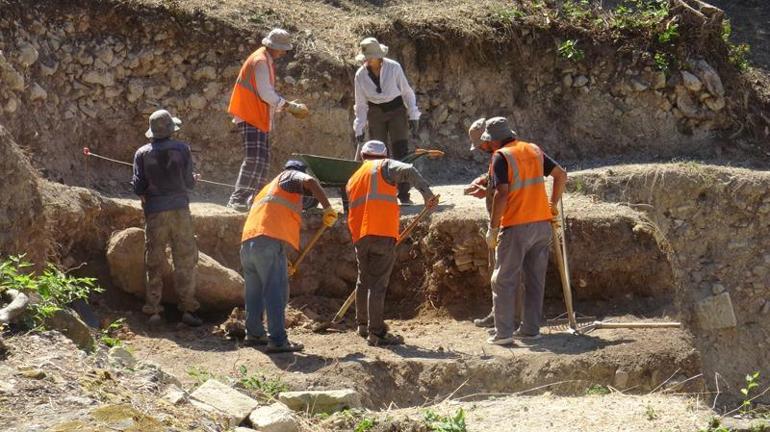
[215, 397]
[716, 312]
[274, 418]
[326, 401]
[217, 287]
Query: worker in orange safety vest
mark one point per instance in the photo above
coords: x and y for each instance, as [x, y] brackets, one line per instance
[373, 221]
[273, 224]
[519, 227]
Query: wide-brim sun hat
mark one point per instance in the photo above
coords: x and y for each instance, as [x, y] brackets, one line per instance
[374, 148]
[497, 129]
[278, 39]
[162, 125]
[475, 132]
[371, 48]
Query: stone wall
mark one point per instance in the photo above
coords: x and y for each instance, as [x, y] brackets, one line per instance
[76, 75]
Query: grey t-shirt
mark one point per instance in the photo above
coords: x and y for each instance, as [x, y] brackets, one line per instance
[396, 172]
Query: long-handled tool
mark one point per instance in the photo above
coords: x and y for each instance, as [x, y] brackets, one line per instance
[88, 153]
[307, 248]
[321, 326]
[560, 251]
[587, 324]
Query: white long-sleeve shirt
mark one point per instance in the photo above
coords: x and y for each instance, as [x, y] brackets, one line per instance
[393, 84]
[265, 89]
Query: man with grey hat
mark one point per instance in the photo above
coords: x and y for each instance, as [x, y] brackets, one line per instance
[373, 221]
[163, 176]
[253, 105]
[385, 104]
[519, 227]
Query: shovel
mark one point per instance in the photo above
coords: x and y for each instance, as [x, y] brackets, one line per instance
[309, 246]
[324, 325]
[560, 251]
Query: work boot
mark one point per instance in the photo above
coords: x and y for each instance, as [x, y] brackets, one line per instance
[252, 341]
[155, 321]
[385, 339]
[191, 320]
[243, 208]
[518, 334]
[496, 340]
[363, 330]
[272, 348]
[486, 322]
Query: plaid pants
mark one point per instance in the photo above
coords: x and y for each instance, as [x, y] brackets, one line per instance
[253, 174]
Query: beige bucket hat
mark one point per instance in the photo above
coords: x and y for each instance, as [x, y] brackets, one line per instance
[475, 132]
[371, 48]
[278, 39]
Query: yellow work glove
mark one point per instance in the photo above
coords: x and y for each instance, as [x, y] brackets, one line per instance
[554, 210]
[492, 235]
[330, 217]
[290, 269]
[298, 110]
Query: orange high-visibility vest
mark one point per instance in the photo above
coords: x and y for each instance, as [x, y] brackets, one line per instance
[276, 214]
[245, 102]
[373, 208]
[527, 199]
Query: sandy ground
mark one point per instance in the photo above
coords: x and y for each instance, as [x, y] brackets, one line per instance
[607, 413]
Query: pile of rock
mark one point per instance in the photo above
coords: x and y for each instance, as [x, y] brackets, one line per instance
[221, 400]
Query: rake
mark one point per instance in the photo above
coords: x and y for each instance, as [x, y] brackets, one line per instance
[583, 324]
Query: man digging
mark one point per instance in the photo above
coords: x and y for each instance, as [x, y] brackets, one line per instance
[274, 222]
[373, 221]
[163, 175]
[253, 105]
[519, 228]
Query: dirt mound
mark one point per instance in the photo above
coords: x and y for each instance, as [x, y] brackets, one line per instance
[718, 223]
[21, 205]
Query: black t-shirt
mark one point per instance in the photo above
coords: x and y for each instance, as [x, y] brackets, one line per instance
[500, 168]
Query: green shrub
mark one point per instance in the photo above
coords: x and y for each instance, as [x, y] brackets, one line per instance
[55, 289]
[569, 50]
[669, 34]
[439, 423]
[597, 390]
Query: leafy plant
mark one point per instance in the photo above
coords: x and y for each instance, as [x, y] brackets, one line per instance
[569, 50]
[109, 335]
[439, 423]
[752, 382]
[650, 412]
[510, 13]
[365, 425]
[269, 387]
[639, 14]
[738, 53]
[670, 33]
[597, 390]
[576, 9]
[662, 62]
[55, 288]
[199, 374]
[715, 425]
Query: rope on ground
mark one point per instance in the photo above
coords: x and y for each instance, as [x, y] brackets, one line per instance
[87, 152]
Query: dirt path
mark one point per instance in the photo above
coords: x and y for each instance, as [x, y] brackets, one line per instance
[440, 356]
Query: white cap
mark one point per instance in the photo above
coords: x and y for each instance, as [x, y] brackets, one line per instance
[374, 148]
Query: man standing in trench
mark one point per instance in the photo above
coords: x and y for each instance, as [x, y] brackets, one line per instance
[273, 223]
[373, 221]
[253, 105]
[163, 175]
[519, 228]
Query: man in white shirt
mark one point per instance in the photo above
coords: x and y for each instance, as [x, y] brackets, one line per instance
[385, 102]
